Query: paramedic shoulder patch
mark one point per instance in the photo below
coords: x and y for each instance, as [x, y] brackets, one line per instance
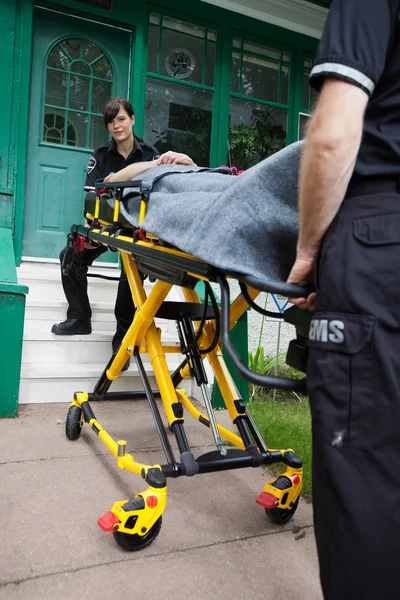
[91, 164]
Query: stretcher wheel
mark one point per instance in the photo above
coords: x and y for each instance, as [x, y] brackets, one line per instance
[280, 516]
[134, 542]
[74, 423]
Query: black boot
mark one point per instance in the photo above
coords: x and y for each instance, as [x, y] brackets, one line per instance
[72, 327]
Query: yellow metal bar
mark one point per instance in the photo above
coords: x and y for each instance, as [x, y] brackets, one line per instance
[116, 211]
[225, 433]
[147, 329]
[146, 309]
[142, 211]
[97, 207]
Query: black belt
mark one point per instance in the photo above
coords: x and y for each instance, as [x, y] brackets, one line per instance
[363, 186]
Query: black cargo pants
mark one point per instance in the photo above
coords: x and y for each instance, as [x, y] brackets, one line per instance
[75, 288]
[354, 388]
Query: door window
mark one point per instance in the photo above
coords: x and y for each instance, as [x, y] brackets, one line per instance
[79, 82]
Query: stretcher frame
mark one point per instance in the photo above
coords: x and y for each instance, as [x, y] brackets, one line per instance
[136, 522]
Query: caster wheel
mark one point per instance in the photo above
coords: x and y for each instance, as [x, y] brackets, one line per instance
[280, 516]
[134, 542]
[74, 423]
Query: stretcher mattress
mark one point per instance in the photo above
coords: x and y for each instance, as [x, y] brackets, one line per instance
[246, 224]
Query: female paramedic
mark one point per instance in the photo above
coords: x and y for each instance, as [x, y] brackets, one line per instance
[350, 217]
[125, 149]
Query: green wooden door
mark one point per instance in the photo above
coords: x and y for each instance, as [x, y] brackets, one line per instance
[77, 66]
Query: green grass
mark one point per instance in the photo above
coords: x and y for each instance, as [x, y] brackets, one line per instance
[285, 423]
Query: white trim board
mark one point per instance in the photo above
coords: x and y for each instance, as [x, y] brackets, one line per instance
[296, 15]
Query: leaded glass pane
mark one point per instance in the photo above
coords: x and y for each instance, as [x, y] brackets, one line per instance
[79, 93]
[101, 94]
[91, 52]
[72, 48]
[98, 133]
[58, 59]
[80, 67]
[56, 88]
[103, 69]
[77, 129]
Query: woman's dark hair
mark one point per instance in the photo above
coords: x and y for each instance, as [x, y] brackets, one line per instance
[112, 107]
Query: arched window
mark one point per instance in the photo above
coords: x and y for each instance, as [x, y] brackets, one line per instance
[79, 82]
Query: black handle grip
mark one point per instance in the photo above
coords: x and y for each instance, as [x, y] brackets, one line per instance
[271, 286]
[295, 385]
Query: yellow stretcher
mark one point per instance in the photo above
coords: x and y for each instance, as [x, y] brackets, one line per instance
[203, 328]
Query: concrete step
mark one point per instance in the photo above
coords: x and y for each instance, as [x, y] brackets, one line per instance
[58, 382]
[42, 347]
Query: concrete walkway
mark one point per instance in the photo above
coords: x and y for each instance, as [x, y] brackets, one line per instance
[215, 542]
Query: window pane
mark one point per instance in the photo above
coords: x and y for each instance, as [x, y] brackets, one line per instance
[77, 128]
[80, 67]
[58, 59]
[101, 94]
[53, 126]
[102, 68]
[285, 81]
[182, 56]
[184, 27]
[235, 76]
[72, 47]
[237, 42]
[255, 132]
[286, 57]
[98, 133]
[91, 52]
[79, 93]
[155, 19]
[153, 49]
[212, 35]
[179, 118]
[303, 121]
[210, 70]
[262, 50]
[260, 78]
[305, 102]
[56, 87]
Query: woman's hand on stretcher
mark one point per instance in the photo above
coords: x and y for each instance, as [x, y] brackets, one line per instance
[301, 274]
[176, 158]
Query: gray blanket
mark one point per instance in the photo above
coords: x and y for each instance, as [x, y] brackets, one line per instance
[246, 223]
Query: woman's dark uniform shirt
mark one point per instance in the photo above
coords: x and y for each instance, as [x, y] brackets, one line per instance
[361, 44]
[107, 159]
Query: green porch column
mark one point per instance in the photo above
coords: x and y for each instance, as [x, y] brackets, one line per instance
[12, 314]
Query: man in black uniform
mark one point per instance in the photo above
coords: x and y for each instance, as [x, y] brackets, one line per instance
[124, 150]
[350, 219]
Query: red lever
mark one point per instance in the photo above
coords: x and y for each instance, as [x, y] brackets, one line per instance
[108, 521]
[80, 244]
[266, 500]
